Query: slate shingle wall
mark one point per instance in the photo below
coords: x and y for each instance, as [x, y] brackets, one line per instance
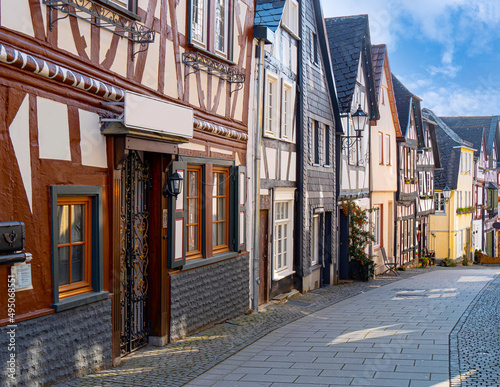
[59, 346]
[208, 295]
[315, 100]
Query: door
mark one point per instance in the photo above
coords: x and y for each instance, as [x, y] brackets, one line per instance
[343, 246]
[134, 253]
[264, 257]
[327, 249]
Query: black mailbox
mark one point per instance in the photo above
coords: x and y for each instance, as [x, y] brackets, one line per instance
[12, 237]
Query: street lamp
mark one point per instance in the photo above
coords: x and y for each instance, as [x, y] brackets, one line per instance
[173, 186]
[359, 118]
[446, 193]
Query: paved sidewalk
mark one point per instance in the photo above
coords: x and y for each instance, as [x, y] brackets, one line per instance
[179, 363]
[475, 341]
[397, 335]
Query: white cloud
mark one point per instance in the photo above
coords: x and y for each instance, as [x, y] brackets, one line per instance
[457, 101]
[449, 70]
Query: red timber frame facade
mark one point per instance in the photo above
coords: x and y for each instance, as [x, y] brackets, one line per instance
[63, 89]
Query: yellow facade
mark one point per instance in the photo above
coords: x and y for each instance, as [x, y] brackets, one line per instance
[450, 235]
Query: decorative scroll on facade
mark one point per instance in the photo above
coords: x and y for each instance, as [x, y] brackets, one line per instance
[48, 70]
[220, 130]
[201, 62]
[103, 17]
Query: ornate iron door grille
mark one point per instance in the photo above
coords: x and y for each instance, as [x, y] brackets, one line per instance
[134, 254]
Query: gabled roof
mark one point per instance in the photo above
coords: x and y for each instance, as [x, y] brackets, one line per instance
[431, 127]
[349, 38]
[472, 128]
[380, 64]
[268, 13]
[449, 144]
[378, 57]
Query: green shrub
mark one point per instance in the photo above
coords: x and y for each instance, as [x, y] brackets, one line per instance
[448, 262]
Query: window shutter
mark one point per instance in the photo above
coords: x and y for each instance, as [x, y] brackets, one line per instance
[238, 208]
[177, 210]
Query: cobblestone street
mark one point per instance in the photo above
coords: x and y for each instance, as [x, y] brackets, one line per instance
[392, 331]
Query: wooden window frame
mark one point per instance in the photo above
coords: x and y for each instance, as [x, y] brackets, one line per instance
[315, 144]
[209, 29]
[315, 49]
[96, 278]
[380, 148]
[327, 145]
[378, 223]
[290, 19]
[217, 249]
[74, 288]
[271, 103]
[387, 149]
[286, 110]
[196, 253]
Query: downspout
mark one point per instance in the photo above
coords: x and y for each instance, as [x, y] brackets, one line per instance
[300, 197]
[256, 214]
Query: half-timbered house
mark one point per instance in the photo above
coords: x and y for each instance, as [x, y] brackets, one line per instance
[450, 225]
[350, 50]
[410, 121]
[383, 159]
[107, 105]
[483, 133]
[277, 38]
[427, 162]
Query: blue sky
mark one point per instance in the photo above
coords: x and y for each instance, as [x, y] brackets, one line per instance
[447, 52]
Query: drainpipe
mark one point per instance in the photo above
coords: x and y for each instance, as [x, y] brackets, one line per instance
[256, 214]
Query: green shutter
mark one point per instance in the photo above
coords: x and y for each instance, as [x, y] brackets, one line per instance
[489, 243]
[177, 212]
[238, 208]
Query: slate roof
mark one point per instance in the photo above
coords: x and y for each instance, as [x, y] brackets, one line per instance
[378, 56]
[268, 13]
[447, 141]
[471, 128]
[348, 37]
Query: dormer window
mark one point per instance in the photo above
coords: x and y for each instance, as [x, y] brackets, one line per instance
[210, 26]
[291, 17]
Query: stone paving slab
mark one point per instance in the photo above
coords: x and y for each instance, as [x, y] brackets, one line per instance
[414, 355]
[182, 362]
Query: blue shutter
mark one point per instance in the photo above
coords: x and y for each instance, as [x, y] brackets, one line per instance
[177, 211]
[238, 208]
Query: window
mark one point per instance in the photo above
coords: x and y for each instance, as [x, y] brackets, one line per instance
[194, 206]
[315, 240]
[315, 53]
[271, 105]
[129, 5]
[73, 245]
[283, 233]
[440, 202]
[290, 18]
[220, 209]
[315, 142]
[380, 148]
[210, 21]
[421, 183]
[388, 149]
[76, 213]
[377, 225]
[327, 145]
[207, 220]
[287, 110]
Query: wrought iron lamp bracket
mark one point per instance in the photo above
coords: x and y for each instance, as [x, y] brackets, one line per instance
[349, 141]
[200, 62]
[102, 17]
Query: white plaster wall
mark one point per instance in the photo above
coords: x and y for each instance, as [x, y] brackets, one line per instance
[16, 15]
[19, 132]
[53, 130]
[92, 142]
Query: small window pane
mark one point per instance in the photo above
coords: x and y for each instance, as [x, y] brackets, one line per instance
[222, 234]
[63, 265]
[77, 263]
[214, 209]
[214, 234]
[222, 209]
[222, 184]
[192, 238]
[77, 223]
[63, 215]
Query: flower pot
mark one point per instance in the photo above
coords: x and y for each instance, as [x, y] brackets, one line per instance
[359, 272]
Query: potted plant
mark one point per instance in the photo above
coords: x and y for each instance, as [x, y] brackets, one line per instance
[361, 265]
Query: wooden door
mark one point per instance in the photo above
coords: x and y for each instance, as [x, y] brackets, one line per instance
[264, 257]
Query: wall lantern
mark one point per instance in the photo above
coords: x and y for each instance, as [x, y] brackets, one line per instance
[446, 193]
[359, 119]
[173, 186]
